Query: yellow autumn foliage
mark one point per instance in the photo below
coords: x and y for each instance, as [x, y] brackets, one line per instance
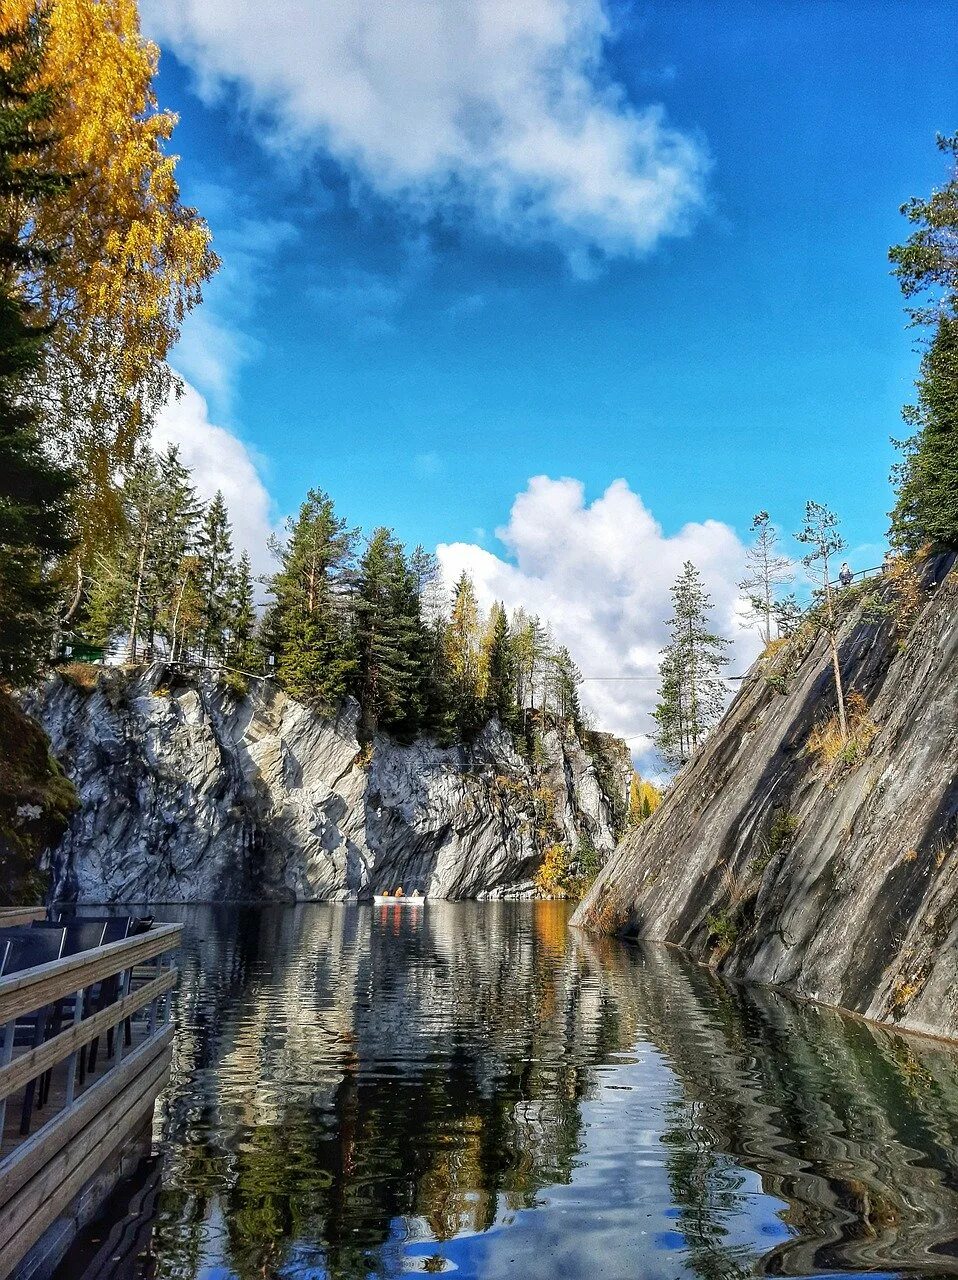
[644, 799]
[128, 258]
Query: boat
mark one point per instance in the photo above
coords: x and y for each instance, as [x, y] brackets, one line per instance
[392, 900]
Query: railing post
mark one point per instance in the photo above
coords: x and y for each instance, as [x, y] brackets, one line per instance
[72, 1060]
[155, 1002]
[6, 1053]
[122, 992]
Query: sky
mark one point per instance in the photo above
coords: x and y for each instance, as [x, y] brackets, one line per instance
[567, 290]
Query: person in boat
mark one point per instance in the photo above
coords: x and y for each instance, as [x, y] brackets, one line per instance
[399, 892]
[416, 893]
[845, 575]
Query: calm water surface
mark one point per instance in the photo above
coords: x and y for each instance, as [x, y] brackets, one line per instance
[474, 1090]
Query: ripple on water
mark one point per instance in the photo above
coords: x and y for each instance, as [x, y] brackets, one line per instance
[474, 1089]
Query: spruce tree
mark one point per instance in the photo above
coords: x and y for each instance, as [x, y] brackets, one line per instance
[214, 551]
[926, 479]
[498, 667]
[242, 650]
[462, 643]
[564, 692]
[692, 692]
[34, 490]
[388, 639]
[308, 625]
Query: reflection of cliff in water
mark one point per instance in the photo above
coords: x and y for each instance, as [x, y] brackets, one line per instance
[346, 1068]
[854, 1127]
[348, 1079]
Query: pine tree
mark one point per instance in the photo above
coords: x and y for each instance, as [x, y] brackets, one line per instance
[532, 651]
[926, 478]
[563, 695]
[767, 571]
[821, 534]
[388, 639]
[692, 692]
[308, 626]
[34, 491]
[139, 587]
[214, 550]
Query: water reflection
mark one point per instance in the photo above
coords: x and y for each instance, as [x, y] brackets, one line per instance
[363, 1091]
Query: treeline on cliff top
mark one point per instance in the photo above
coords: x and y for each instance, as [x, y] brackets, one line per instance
[344, 615]
[100, 261]
[100, 535]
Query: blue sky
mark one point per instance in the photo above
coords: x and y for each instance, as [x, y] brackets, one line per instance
[422, 337]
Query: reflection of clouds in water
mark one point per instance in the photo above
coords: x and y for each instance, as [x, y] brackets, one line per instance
[478, 1085]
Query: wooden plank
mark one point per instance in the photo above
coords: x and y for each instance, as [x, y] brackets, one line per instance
[29, 1065]
[43, 984]
[48, 1195]
[106, 1096]
[10, 916]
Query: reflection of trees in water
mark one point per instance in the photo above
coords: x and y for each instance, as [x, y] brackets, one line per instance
[341, 1078]
[337, 1074]
[851, 1125]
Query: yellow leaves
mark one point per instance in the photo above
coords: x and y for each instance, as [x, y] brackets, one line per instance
[644, 799]
[130, 259]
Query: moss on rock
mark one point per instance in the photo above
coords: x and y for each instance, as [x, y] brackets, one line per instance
[36, 801]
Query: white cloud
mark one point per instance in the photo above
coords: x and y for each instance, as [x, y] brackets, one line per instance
[213, 346]
[502, 110]
[219, 460]
[600, 574]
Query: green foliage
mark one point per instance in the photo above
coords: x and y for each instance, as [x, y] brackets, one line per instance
[644, 799]
[723, 928]
[926, 478]
[389, 639]
[139, 582]
[214, 553]
[767, 572]
[692, 693]
[36, 801]
[34, 490]
[499, 663]
[308, 627]
[927, 263]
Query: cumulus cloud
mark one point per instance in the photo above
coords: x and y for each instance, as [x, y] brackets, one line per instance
[599, 573]
[502, 110]
[219, 460]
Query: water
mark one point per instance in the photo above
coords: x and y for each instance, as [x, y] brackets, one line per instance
[473, 1090]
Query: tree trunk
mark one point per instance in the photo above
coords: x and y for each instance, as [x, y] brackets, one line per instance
[836, 666]
[137, 596]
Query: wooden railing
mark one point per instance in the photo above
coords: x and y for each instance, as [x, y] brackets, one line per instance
[10, 916]
[92, 1112]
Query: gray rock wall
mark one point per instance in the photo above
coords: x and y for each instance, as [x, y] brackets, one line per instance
[189, 794]
[839, 883]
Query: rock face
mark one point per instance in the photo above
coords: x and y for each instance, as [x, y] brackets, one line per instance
[837, 881]
[189, 794]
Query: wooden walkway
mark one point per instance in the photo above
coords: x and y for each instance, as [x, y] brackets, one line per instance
[87, 1115]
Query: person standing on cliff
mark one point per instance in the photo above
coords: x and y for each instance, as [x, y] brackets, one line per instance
[845, 575]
